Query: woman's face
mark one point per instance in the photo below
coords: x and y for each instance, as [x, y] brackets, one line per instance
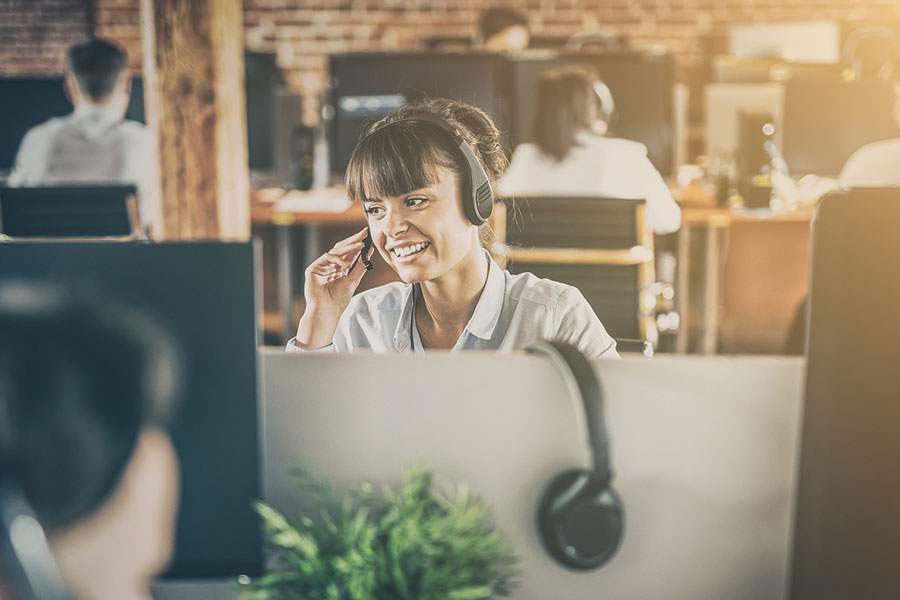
[423, 234]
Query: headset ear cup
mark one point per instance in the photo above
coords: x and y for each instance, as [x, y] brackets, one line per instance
[581, 520]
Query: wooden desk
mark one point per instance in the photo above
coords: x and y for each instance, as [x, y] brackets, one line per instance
[715, 222]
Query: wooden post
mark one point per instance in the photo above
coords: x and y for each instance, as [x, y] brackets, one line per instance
[194, 98]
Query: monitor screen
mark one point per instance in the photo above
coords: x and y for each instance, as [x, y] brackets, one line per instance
[366, 87]
[29, 101]
[827, 120]
[846, 526]
[216, 431]
[641, 86]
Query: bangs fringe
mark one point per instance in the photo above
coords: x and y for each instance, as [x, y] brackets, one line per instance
[395, 161]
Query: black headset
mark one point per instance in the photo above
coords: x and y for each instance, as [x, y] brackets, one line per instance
[476, 193]
[581, 520]
[24, 552]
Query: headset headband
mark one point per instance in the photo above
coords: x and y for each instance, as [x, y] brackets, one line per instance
[477, 194]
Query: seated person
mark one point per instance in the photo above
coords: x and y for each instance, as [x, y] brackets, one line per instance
[572, 155]
[876, 164]
[85, 391]
[503, 30]
[94, 144]
[410, 175]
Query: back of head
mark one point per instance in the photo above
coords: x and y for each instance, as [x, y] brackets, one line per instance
[494, 21]
[97, 65]
[566, 104]
[80, 378]
[391, 161]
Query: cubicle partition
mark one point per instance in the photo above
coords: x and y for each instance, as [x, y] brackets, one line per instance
[704, 451]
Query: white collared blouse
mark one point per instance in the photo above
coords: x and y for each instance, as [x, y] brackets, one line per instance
[512, 312]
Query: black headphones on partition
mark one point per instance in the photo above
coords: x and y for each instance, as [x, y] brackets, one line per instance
[581, 520]
[476, 193]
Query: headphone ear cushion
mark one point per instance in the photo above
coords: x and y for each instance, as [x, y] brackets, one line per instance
[581, 520]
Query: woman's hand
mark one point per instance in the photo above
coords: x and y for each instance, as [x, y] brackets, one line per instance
[330, 282]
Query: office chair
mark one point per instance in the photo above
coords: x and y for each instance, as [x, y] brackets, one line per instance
[599, 245]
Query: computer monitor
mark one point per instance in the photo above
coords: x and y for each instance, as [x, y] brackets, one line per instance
[206, 293]
[641, 84]
[368, 86]
[825, 121]
[724, 104]
[70, 211]
[29, 101]
[799, 41]
[846, 527]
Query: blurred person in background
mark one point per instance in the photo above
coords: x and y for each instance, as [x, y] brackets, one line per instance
[504, 30]
[573, 156]
[88, 474]
[95, 144]
[876, 164]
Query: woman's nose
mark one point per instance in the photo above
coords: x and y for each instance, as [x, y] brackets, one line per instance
[396, 224]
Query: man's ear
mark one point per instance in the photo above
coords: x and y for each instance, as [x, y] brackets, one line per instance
[125, 81]
[70, 87]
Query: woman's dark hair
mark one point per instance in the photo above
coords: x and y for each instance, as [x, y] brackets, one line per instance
[566, 104]
[96, 65]
[392, 161]
[80, 377]
[495, 20]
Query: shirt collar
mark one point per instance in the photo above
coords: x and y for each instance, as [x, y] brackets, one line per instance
[401, 333]
[481, 324]
[490, 304]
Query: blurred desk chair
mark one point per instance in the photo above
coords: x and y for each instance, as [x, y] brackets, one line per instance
[599, 245]
[69, 212]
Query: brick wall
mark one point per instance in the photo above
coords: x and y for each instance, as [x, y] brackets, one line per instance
[34, 33]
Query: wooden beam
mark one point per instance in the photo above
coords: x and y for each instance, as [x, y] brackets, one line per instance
[194, 99]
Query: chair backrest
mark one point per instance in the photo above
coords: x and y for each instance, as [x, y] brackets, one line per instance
[576, 222]
[599, 245]
[68, 211]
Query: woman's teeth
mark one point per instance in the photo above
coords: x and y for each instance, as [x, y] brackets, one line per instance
[408, 250]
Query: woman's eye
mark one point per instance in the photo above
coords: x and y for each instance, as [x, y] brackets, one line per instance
[373, 211]
[416, 201]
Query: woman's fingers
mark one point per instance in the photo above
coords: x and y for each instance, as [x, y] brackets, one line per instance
[354, 239]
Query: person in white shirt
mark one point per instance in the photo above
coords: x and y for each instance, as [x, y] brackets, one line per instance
[409, 174]
[876, 164]
[94, 144]
[572, 156]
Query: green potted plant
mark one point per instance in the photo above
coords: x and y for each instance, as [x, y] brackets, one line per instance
[405, 542]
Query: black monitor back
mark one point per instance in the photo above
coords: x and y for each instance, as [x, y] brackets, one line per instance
[827, 120]
[368, 86]
[29, 101]
[641, 85]
[70, 211]
[205, 292]
[847, 521]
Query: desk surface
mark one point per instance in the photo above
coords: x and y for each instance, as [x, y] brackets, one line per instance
[263, 210]
[725, 216]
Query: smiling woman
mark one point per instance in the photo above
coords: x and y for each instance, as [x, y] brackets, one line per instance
[424, 177]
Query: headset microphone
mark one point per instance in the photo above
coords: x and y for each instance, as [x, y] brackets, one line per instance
[581, 520]
[24, 552]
